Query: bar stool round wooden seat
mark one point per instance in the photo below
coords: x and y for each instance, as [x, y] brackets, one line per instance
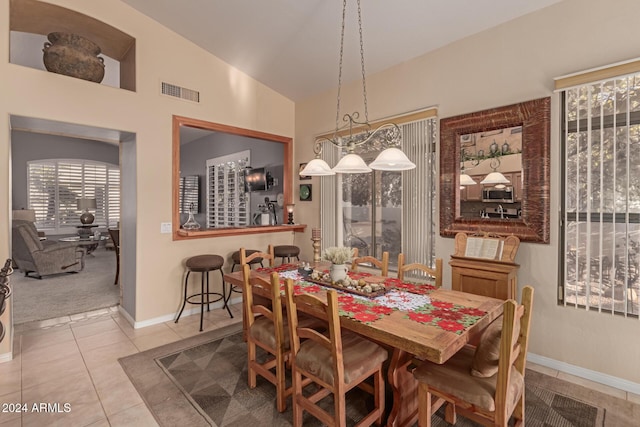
[203, 264]
[286, 251]
[235, 257]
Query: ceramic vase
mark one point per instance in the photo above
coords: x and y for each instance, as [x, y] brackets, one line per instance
[73, 55]
[338, 272]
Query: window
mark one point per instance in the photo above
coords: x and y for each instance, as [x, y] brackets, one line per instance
[601, 196]
[386, 211]
[55, 185]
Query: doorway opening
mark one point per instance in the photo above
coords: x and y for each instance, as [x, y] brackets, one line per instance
[55, 168]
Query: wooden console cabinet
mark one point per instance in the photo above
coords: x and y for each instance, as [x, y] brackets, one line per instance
[495, 278]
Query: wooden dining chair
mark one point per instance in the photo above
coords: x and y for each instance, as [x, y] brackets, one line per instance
[335, 362]
[248, 258]
[484, 383]
[265, 329]
[382, 264]
[269, 256]
[435, 273]
[114, 233]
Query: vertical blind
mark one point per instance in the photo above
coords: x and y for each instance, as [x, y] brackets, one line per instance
[601, 197]
[419, 192]
[54, 186]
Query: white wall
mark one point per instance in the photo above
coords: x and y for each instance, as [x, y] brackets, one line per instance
[228, 97]
[514, 62]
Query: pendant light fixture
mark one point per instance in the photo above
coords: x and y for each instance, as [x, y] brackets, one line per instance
[389, 134]
[495, 177]
[465, 179]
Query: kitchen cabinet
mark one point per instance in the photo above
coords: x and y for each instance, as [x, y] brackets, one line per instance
[473, 192]
[517, 185]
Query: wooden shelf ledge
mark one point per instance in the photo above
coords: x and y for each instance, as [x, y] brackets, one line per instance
[237, 231]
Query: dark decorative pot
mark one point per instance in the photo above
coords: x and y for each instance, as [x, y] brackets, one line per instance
[73, 55]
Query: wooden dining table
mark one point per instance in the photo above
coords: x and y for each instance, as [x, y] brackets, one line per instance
[408, 334]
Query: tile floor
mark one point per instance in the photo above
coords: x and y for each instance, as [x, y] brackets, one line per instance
[74, 360]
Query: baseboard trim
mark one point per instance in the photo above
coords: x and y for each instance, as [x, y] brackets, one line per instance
[587, 374]
[6, 357]
[126, 315]
[172, 316]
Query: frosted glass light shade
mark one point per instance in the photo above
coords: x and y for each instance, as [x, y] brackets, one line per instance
[392, 159]
[466, 180]
[351, 163]
[317, 167]
[495, 178]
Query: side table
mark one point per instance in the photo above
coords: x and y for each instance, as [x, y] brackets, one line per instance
[90, 244]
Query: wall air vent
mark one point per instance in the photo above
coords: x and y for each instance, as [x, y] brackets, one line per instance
[180, 92]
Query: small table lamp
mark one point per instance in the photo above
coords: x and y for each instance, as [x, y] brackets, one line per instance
[290, 211]
[86, 204]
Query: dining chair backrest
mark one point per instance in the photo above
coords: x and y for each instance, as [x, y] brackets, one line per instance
[435, 273]
[514, 341]
[269, 255]
[265, 329]
[114, 234]
[270, 287]
[489, 385]
[334, 362]
[329, 310]
[382, 264]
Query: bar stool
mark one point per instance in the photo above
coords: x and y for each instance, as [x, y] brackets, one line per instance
[203, 264]
[235, 257]
[286, 251]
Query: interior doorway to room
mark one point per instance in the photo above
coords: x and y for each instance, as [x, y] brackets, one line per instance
[54, 166]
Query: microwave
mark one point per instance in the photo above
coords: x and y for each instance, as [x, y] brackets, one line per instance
[498, 195]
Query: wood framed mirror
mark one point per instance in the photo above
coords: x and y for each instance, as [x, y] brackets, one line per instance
[529, 218]
[272, 154]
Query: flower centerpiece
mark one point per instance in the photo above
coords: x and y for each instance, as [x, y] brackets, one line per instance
[338, 256]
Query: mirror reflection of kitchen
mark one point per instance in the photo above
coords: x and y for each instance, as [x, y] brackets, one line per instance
[491, 174]
[240, 178]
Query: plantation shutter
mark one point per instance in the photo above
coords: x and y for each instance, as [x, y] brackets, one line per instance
[55, 185]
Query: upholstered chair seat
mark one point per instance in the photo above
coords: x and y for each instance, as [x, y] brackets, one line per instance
[453, 378]
[263, 330]
[483, 383]
[359, 356]
[43, 257]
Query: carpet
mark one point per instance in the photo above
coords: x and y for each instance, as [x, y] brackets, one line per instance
[65, 294]
[203, 381]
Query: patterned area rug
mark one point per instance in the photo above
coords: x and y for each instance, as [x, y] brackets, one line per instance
[203, 381]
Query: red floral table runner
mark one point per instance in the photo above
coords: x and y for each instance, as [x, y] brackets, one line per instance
[445, 315]
[411, 298]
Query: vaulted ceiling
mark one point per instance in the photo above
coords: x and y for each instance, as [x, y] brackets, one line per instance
[292, 46]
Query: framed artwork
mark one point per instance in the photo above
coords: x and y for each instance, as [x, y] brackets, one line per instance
[303, 177]
[305, 192]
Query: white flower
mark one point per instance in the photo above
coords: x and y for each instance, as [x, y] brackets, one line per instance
[338, 254]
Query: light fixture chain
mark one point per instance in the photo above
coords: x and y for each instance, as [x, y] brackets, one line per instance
[364, 81]
[344, 12]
